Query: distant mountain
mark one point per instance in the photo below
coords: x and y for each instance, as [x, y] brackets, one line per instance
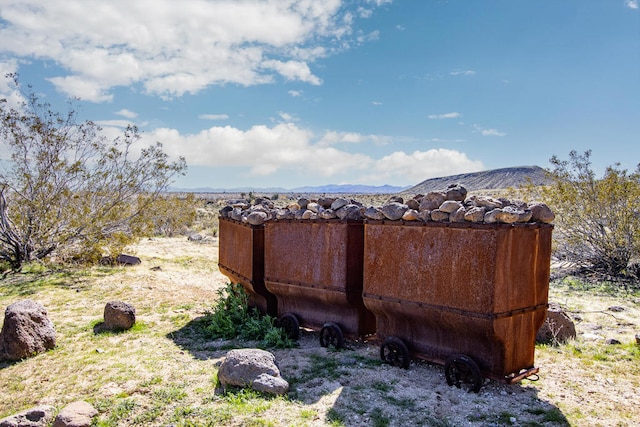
[350, 189]
[485, 180]
[331, 188]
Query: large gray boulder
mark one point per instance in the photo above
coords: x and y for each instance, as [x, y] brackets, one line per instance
[39, 416]
[26, 331]
[253, 368]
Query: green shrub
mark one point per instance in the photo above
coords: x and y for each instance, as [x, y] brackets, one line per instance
[231, 318]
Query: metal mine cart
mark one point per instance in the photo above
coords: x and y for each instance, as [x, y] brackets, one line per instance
[314, 268]
[468, 296]
[241, 259]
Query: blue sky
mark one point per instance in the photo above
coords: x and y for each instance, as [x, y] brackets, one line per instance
[285, 93]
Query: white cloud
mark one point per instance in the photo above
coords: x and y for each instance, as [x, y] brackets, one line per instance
[401, 167]
[213, 116]
[463, 73]
[286, 148]
[488, 132]
[126, 113]
[452, 115]
[171, 48]
[492, 132]
[287, 117]
[114, 123]
[262, 149]
[295, 93]
[376, 103]
[631, 4]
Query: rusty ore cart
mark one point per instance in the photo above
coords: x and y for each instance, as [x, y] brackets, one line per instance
[468, 296]
[314, 268]
[241, 259]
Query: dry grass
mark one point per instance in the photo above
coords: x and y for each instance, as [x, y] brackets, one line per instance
[163, 371]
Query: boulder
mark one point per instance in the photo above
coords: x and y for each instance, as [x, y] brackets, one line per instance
[450, 206]
[118, 316]
[456, 192]
[253, 368]
[394, 210]
[557, 327]
[411, 215]
[327, 214]
[128, 259]
[26, 331]
[432, 200]
[349, 212]
[540, 212]
[303, 202]
[374, 213]
[76, 414]
[338, 203]
[39, 416]
[475, 214]
[457, 215]
[439, 216]
[257, 218]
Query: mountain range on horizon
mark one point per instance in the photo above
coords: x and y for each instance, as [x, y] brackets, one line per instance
[484, 180]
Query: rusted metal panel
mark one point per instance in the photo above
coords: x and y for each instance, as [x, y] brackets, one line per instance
[241, 259]
[476, 289]
[314, 267]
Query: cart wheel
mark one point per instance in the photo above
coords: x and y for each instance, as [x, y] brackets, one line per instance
[331, 334]
[395, 352]
[461, 370]
[289, 322]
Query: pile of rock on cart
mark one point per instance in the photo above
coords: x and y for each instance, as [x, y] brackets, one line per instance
[455, 280]
[450, 205]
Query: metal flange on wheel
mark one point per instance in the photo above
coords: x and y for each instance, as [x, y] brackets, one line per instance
[395, 352]
[461, 371]
[289, 322]
[331, 335]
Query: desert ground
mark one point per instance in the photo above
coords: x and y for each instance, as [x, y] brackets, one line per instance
[162, 372]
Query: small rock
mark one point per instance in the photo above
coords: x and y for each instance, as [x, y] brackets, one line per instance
[616, 309]
[411, 215]
[458, 215]
[456, 192]
[339, 203]
[612, 341]
[638, 338]
[413, 204]
[128, 259]
[439, 216]
[314, 207]
[450, 206]
[327, 214]
[475, 214]
[303, 202]
[374, 213]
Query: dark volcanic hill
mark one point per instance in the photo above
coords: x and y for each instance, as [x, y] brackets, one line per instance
[485, 180]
